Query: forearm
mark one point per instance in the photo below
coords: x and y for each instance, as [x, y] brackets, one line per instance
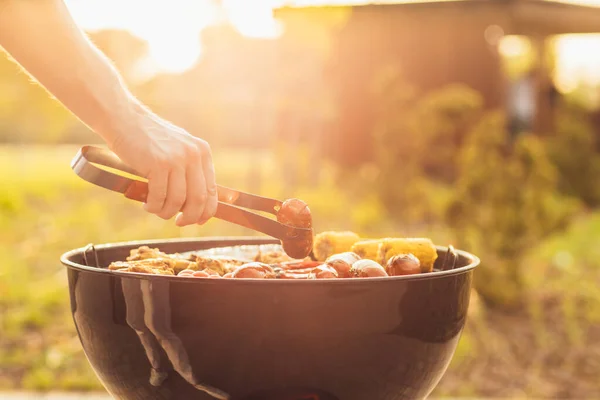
[43, 38]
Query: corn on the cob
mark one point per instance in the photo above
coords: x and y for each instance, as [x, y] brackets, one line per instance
[330, 243]
[421, 248]
[367, 249]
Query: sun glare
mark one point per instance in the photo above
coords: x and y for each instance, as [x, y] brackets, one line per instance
[579, 61]
[252, 18]
[172, 30]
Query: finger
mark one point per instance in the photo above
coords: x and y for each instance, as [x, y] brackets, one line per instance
[157, 190]
[211, 187]
[175, 194]
[196, 196]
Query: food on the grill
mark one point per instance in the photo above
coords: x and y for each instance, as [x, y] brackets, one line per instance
[296, 213]
[210, 272]
[323, 272]
[296, 270]
[219, 265]
[382, 250]
[272, 257]
[421, 248]
[329, 243]
[342, 263]
[254, 270]
[157, 266]
[144, 253]
[368, 258]
[367, 248]
[367, 269]
[403, 264]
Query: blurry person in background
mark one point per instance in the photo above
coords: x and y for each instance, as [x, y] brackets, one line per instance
[522, 104]
[42, 37]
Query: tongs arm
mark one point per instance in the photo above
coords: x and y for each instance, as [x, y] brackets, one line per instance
[88, 160]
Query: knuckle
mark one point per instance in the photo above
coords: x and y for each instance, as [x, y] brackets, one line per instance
[177, 201]
[190, 151]
[154, 202]
[212, 189]
[198, 198]
[202, 197]
[162, 162]
[204, 148]
[171, 207]
[157, 196]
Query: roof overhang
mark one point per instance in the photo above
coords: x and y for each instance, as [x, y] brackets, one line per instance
[516, 17]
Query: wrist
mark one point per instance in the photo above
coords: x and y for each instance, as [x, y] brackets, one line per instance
[123, 119]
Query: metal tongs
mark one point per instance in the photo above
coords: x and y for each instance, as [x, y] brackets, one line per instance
[89, 161]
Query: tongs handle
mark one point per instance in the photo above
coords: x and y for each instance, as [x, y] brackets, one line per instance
[135, 188]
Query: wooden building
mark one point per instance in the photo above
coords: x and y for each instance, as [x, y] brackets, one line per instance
[433, 43]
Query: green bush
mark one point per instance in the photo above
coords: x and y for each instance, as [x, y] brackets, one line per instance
[573, 149]
[505, 202]
[417, 140]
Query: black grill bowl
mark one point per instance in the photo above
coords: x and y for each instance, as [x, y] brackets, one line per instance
[357, 339]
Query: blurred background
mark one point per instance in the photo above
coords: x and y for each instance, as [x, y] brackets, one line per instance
[475, 123]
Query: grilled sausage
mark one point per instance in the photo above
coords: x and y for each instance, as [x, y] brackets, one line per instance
[296, 213]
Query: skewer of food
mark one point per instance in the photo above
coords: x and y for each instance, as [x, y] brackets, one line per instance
[337, 255]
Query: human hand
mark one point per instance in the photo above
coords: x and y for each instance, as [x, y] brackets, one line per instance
[178, 166]
[44, 39]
